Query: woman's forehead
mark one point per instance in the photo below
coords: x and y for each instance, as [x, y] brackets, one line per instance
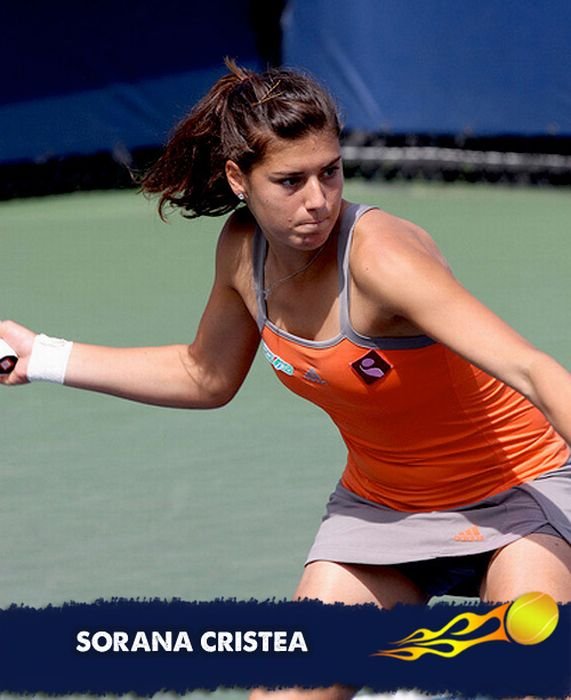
[296, 154]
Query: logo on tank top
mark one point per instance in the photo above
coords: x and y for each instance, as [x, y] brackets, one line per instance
[312, 376]
[371, 367]
[276, 362]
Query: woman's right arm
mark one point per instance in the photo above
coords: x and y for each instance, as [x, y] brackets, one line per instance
[205, 374]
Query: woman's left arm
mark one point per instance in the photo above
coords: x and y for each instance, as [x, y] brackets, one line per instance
[413, 282]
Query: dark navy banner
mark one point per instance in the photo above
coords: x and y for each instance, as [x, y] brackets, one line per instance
[122, 646]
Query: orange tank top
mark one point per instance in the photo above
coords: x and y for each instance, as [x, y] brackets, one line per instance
[424, 429]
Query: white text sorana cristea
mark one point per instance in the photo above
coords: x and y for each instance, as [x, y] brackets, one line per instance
[211, 641]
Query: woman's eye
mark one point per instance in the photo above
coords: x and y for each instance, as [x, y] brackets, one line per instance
[290, 181]
[332, 171]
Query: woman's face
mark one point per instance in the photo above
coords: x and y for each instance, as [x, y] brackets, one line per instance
[295, 192]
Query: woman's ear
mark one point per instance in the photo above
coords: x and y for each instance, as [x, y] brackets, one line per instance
[235, 178]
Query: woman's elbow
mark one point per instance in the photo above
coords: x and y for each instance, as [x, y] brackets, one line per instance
[209, 397]
[538, 378]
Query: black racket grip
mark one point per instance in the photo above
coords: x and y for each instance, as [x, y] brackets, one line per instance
[8, 358]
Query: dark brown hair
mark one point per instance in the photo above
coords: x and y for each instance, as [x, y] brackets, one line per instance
[236, 120]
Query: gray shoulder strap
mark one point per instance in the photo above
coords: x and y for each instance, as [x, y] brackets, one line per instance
[259, 256]
[351, 216]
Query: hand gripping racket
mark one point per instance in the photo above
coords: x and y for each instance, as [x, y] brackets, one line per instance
[8, 358]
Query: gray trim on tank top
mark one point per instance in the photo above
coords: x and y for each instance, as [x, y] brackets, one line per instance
[349, 218]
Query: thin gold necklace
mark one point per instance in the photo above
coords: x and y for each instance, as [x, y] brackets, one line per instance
[270, 288]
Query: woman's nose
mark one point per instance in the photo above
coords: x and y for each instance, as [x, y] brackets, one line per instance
[314, 196]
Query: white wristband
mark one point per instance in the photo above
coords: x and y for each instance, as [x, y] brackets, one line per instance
[48, 360]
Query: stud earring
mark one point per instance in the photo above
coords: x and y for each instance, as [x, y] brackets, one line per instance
[240, 196]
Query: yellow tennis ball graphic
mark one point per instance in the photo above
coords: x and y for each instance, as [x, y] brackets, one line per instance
[531, 618]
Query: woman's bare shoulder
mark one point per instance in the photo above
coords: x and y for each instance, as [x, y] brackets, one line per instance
[384, 237]
[390, 256]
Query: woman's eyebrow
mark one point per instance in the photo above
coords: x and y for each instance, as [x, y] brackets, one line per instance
[292, 173]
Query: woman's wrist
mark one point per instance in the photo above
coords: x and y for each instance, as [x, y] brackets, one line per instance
[49, 359]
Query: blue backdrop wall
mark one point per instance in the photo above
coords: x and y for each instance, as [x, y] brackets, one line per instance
[83, 77]
[79, 78]
[439, 66]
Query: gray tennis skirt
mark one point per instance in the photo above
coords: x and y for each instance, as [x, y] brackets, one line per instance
[357, 531]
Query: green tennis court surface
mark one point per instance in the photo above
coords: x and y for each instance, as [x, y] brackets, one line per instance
[102, 498]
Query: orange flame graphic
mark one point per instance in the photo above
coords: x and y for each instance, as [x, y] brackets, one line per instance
[530, 619]
[448, 640]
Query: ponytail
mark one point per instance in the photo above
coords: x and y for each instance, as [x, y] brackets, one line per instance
[235, 120]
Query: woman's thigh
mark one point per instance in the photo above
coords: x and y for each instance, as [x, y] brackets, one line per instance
[538, 562]
[331, 582]
[355, 584]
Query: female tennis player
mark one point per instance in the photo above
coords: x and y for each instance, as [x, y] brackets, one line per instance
[457, 478]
